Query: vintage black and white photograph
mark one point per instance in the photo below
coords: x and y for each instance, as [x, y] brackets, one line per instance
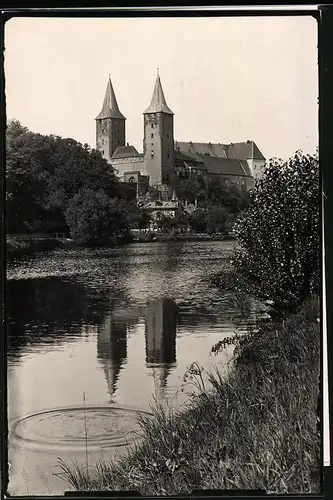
[163, 265]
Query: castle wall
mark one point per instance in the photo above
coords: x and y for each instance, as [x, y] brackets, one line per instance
[256, 167]
[131, 164]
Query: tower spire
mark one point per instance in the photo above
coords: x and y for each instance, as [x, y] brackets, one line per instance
[110, 107]
[158, 103]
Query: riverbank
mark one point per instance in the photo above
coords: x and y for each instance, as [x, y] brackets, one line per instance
[254, 429]
[26, 244]
[22, 245]
[150, 236]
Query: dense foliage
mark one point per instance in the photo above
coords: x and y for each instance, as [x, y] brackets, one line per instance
[279, 232]
[57, 185]
[212, 192]
[52, 183]
[93, 217]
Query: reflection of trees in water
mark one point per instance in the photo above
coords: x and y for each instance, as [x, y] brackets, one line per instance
[170, 256]
[230, 311]
[50, 309]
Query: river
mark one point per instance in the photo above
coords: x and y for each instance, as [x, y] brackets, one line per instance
[94, 334]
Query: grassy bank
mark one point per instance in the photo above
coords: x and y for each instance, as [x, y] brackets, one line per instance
[256, 428]
[16, 246]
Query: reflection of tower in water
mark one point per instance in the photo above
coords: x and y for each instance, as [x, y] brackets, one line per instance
[161, 325]
[112, 350]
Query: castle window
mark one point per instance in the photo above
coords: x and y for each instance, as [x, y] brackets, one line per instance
[152, 135]
[152, 125]
[152, 154]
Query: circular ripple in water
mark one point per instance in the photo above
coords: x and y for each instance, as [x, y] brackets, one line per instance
[65, 428]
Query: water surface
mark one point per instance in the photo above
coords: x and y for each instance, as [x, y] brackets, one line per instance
[119, 326]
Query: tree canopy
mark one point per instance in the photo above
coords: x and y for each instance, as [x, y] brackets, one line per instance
[279, 232]
[45, 173]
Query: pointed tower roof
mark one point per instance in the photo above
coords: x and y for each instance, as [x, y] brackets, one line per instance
[110, 107]
[158, 103]
[174, 196]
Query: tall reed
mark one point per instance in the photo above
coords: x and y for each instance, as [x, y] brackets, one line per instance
[86, 433]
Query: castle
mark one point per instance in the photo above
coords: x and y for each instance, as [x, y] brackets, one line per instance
[165, 160]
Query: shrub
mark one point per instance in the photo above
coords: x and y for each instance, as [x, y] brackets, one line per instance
[93, 217]
[279, 232]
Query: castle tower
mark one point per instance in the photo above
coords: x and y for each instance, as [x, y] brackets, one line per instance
[110, 125]
[158, 144]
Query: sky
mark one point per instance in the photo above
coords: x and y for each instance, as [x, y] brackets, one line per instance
[226, 79]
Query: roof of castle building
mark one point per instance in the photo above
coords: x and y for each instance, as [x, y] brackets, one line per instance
[226, 166]
[158, 103]
[244, 150]
[180, 156]
[234, 151]
[110, 107]
[202, 148]
[221, 166]
[125, 152]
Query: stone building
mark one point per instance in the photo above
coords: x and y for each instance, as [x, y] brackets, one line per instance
[165, 160]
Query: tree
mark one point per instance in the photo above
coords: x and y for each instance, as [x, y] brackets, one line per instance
[144, 220]
[191, 190]
[95, 218]
[24, 183]
[138, 218]
[165, 222]
[279, 232]
[216, 219]
[152, 194]
[182, 221]
[198, 221]
[228, 195]
[78, 167]
[44, 173]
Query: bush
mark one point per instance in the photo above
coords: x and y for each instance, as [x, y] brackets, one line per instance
[43, 175]
[93, 217]
[279, 232]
